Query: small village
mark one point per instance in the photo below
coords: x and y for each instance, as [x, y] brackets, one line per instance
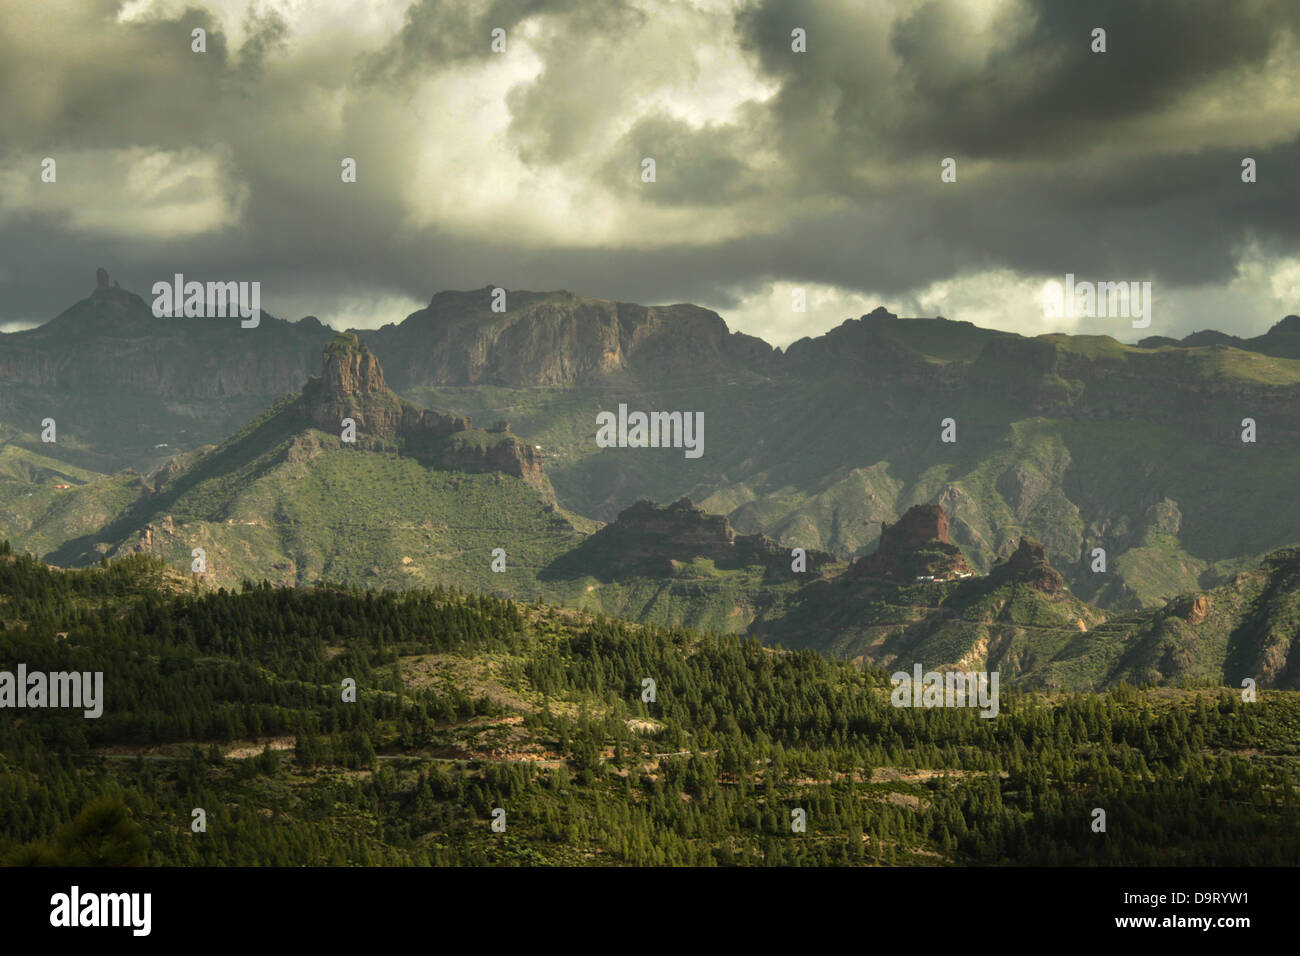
[945, 577]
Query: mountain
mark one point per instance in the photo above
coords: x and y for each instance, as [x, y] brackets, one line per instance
[915, 601]
[1282, 340]
[1246, 628]
[1022, 621]
[678, 565]
[648, 540]
[351, 387]
[917, 547]
[417, 497]
[120, 381]
[1028, 564]
[1078, 442]
[561, 339]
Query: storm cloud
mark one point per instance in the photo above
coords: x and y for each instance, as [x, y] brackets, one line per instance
[774, 169]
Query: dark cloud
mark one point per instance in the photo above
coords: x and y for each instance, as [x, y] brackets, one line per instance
[266, 32]
[922, 82]
[1067, 160]
[700, 167]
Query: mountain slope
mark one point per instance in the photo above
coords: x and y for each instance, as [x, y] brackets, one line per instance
[677, 565]
[1080, 442]
[120, 381]
[467, 704]
[418, 497]
[910, 603]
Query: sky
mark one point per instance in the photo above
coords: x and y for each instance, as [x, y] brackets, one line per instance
[775, 170]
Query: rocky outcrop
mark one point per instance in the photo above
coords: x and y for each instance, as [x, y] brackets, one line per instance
[559, 338]
[351, 385]
[1193, 609]
[917, 545]
[649, 540]
[150, 535]
[1028, 564]
[349, 370]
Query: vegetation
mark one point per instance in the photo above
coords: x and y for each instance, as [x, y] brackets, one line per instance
[230, 702]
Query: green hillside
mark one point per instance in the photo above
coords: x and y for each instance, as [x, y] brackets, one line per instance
[1077, 441]
[287, 503]
[1115, 459]
[470, 709]
[974, 624]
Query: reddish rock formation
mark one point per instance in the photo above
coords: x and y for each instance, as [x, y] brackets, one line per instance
[1193, 610]
[917, 545]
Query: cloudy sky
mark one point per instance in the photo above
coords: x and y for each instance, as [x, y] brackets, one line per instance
[775, 169]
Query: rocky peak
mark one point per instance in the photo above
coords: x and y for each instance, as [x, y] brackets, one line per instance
[920, 524]
[348, 368]
[1193, 609]
[1028, 564]
[108, 292]
[1290, 325]
[351, 385]
[917, 545]
[880, 314]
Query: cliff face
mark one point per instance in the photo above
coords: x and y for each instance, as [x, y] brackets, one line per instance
[505, 454]
[549, 339]
[348, 369]
[352, 385]
[916, 545]
[113, 341]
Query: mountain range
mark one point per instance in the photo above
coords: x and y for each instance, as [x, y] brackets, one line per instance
[183, 433]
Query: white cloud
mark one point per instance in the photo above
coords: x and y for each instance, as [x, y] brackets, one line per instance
[363, 310]
[1263, 291]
